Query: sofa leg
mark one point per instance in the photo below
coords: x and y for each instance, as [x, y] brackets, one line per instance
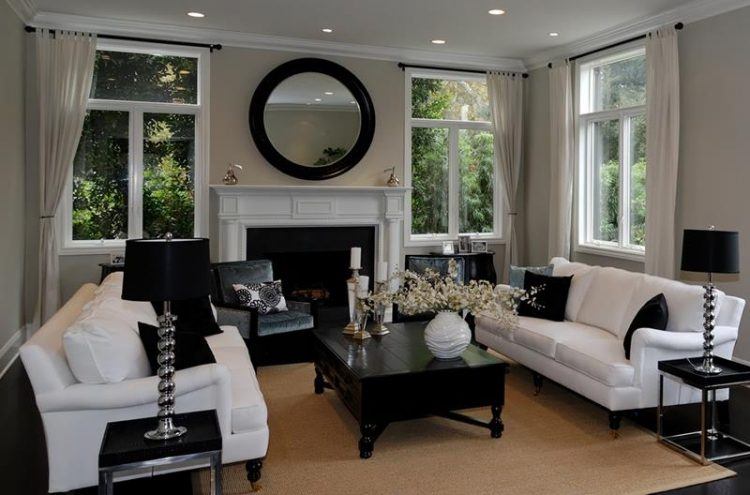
[614, 423]
[253, 467]
[538, 382]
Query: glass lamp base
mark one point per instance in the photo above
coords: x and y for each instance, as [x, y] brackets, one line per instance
[165, 431]
[707, 368]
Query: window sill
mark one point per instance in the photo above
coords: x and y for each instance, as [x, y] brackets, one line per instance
[612, 252]
[438, 242]
[92, 249]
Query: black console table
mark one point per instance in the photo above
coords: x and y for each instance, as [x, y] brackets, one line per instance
[477, 266]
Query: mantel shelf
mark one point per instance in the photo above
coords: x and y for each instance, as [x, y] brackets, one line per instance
[240, 188]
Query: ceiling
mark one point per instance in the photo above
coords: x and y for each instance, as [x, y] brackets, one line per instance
[402, 24]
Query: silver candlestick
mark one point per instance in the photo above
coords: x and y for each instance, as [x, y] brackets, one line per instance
[352, 285]
[166, 428]
[378, 313]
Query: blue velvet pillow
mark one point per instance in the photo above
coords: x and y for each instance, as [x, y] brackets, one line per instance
[518, 273]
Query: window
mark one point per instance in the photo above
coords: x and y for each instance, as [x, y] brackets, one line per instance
[612, 164]
[450, 162]
[140, 166]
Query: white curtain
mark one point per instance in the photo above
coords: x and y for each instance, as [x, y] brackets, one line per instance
[561, 160]
[506, 93]
[662, 149]
[65, 66]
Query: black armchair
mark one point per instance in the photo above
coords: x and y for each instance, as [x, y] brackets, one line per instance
[275, 338]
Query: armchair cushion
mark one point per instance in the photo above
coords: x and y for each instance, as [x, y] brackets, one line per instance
[239, 272]
[287, 321]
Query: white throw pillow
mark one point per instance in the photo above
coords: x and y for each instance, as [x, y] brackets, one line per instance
[103, 350]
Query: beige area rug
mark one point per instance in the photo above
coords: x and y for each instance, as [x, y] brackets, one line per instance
[554, 443]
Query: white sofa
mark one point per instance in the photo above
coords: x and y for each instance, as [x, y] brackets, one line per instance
[585, 352]
[75, 414]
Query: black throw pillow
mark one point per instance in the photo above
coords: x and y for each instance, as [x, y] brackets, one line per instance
[653, 314]
[550, 299]
[191, 349]
[193, 315]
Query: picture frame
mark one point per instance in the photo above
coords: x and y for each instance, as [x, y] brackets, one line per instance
[448, 247]
[464, 243]
[117, 259]
[478, 246]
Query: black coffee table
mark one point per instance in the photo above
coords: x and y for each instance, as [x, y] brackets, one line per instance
[395, 377]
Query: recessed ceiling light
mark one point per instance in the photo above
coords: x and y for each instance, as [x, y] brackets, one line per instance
[438, 42]
[554, 34]
[318, 99]
[327, 30]
[329, 93]
[496, 12]
[196, 14]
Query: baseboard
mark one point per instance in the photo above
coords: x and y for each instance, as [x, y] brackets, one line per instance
[9, 351]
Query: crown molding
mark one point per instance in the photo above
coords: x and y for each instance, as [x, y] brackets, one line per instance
[690, 12]
[24, 9]
[268, 42]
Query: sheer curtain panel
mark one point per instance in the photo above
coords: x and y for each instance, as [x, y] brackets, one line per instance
[561, 160]
[64, 65]
[506, 93]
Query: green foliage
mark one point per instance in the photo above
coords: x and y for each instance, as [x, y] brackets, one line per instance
[437, 99]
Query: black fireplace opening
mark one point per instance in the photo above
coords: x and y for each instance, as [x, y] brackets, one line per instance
[313, 262]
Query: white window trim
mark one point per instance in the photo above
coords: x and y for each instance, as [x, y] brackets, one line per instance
[428, 240]
[64, 217]
[583, 238]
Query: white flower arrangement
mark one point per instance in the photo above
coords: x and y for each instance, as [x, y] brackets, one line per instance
[431, 292]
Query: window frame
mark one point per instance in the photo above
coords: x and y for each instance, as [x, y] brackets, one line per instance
[585, 121]
[497, 236]
[136, 110]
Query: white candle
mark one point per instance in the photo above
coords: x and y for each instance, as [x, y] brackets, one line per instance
[382, 271]
[356, 258]
[363, 289]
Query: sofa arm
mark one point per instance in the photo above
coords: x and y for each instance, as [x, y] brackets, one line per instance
[139, 391]
[649, 346]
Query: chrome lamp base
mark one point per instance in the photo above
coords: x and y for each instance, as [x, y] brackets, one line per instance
[709, 323]
[166, 429]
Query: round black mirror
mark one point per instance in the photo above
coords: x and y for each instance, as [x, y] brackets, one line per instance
[312, 119]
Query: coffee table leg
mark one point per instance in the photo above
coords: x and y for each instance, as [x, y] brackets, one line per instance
[319, 381]
[370, 433]
[496, 424]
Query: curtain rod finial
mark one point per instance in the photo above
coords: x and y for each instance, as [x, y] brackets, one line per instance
[679, 26]
[549, 65]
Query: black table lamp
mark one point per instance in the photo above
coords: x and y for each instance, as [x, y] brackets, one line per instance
[710, 251]
[166, 270]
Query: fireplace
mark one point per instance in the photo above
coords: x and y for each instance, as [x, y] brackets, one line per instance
[313, 262]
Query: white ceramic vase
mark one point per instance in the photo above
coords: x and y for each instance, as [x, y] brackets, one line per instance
[447, 336]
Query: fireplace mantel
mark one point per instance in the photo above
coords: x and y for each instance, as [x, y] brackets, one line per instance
[237, 208]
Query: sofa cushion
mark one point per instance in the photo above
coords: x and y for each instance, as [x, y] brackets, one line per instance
[229, 337]
[104, 350]
[685, 303]
[543, 336]
[286, 321]
[608, 297]
[602, 359]
[248, 406]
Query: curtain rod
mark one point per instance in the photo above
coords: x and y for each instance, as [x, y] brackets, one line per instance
[210, 46]
[677, 26]
[404, 66]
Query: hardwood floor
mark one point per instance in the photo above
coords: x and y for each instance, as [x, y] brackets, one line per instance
[23, 459]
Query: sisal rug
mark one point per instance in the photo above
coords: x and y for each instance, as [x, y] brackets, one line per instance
[554, 443]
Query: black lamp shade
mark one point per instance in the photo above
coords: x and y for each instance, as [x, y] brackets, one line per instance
[711, 251]
[161, 270]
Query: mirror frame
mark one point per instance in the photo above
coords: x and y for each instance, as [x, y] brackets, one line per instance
[345, 77]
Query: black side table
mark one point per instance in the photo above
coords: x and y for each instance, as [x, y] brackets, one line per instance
[124, 448]
[708, 444]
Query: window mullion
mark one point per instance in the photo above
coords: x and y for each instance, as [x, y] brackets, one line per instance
[135, 207]
[624, 182]
[454, 187]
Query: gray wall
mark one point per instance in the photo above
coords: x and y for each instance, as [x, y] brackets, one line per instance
[714, 147]
[12, 220]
